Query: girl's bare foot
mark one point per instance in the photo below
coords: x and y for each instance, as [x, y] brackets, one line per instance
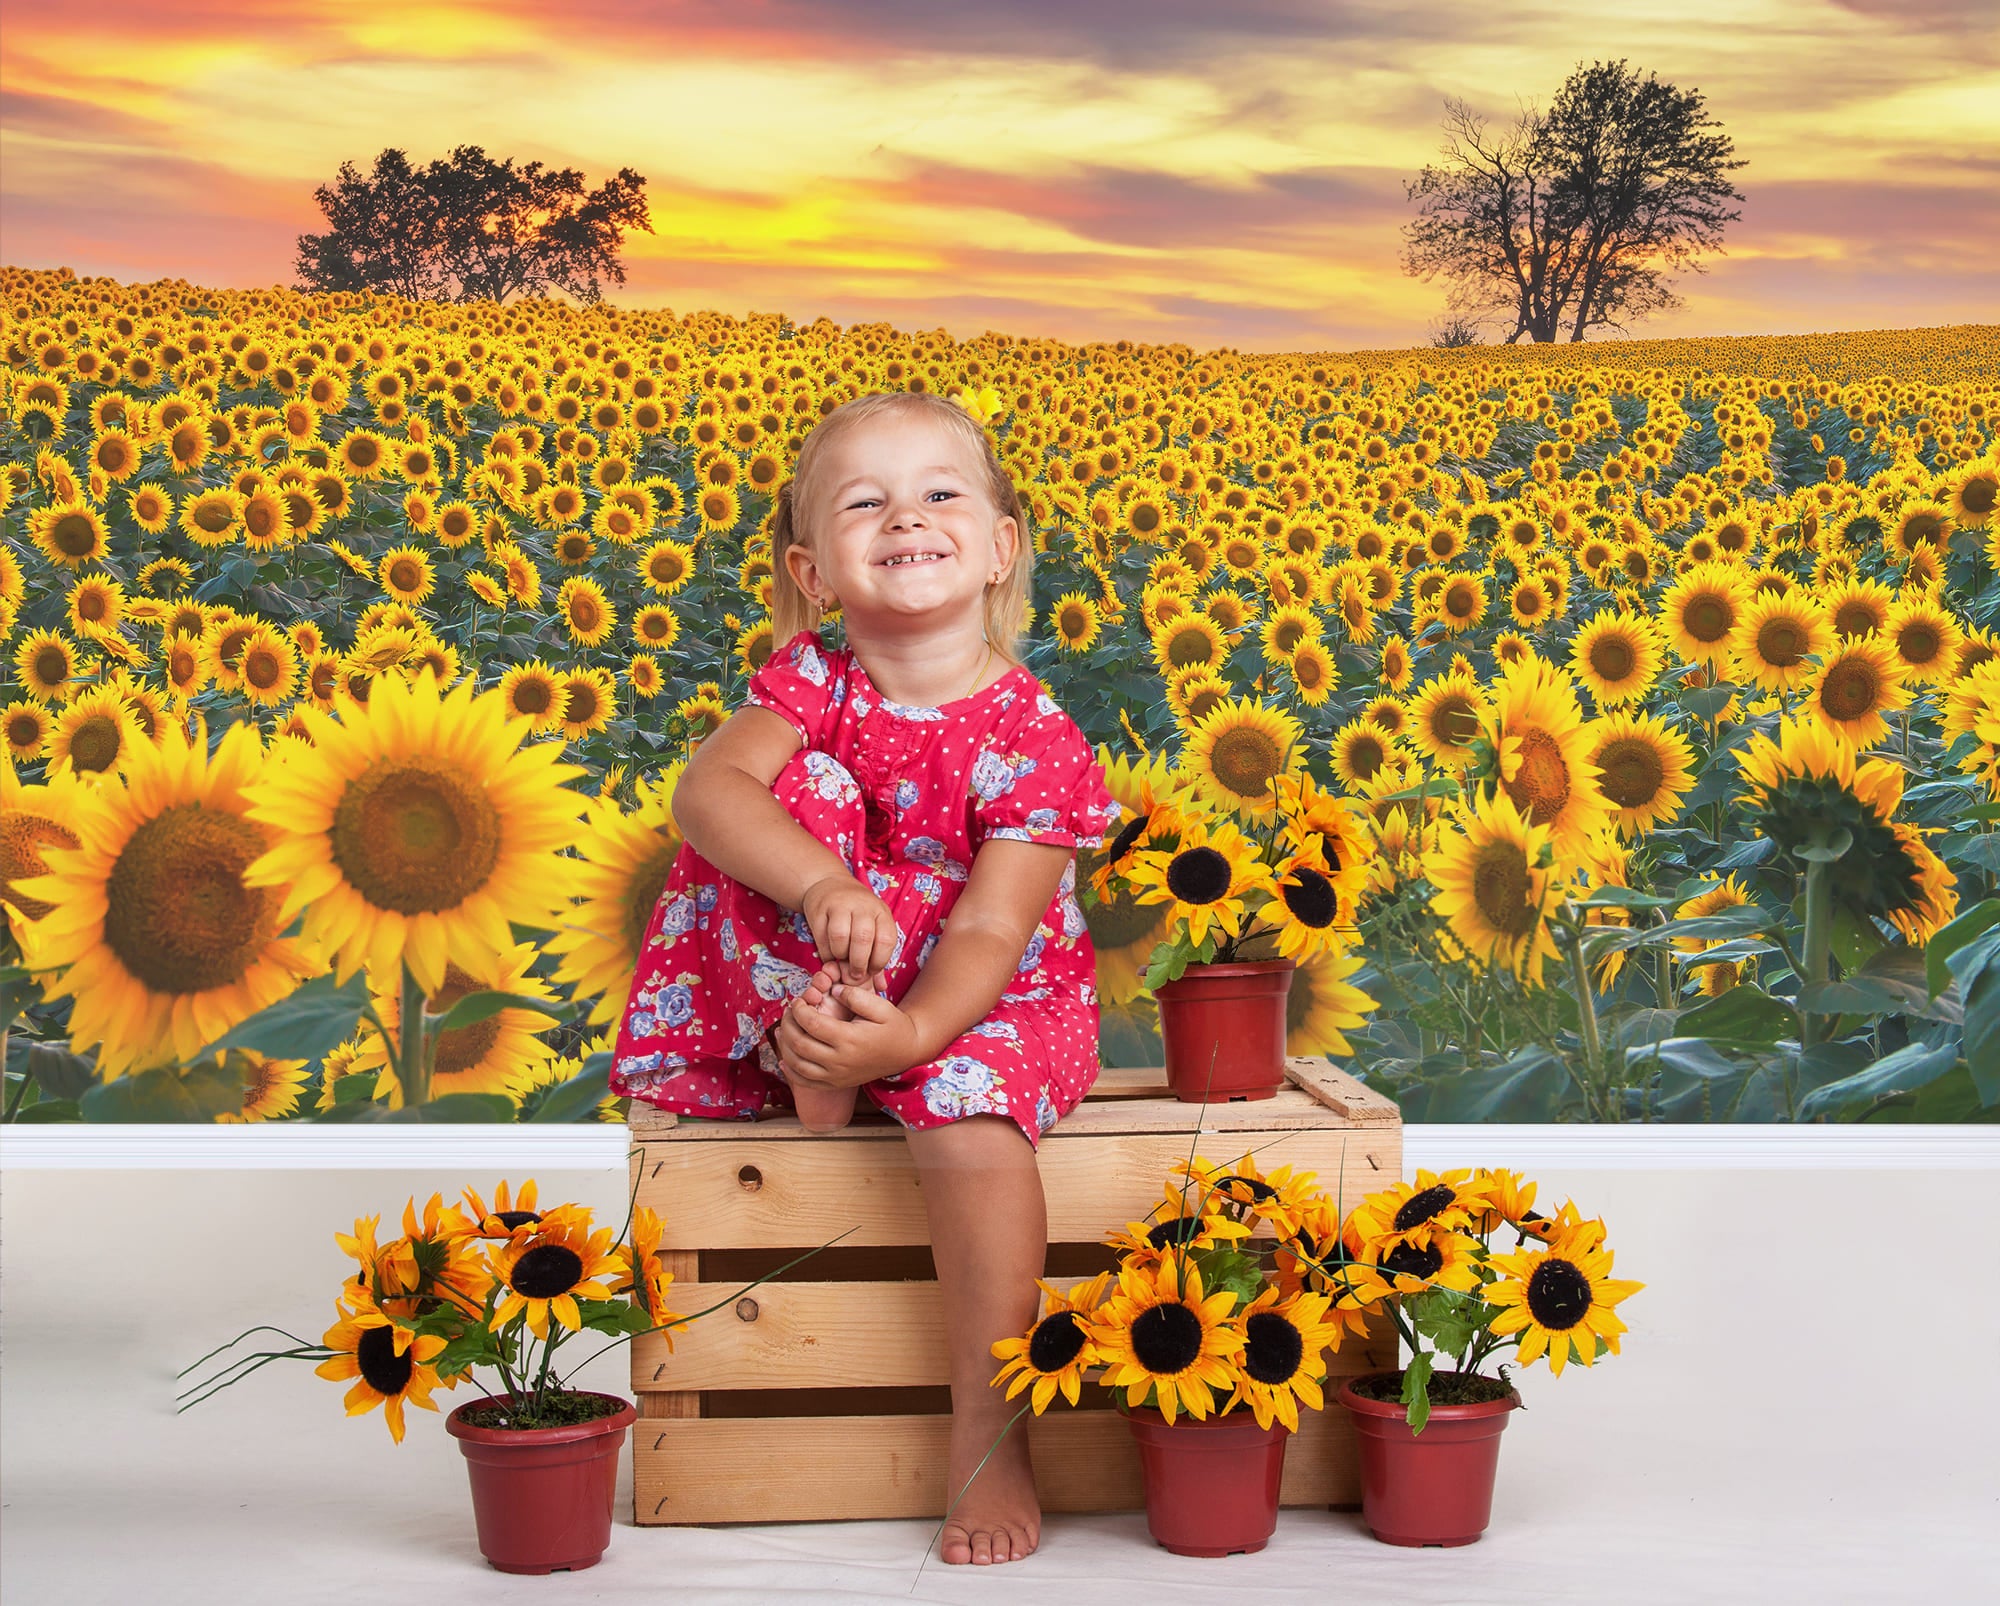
[823, 1109]
[998, 1519]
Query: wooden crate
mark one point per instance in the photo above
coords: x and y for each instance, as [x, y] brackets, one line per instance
[824, 1395]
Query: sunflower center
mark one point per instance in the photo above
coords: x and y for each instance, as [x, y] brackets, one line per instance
[1850, 690]
[1181, 1230]
[1919, 642]
[1781, 642]
[547, 1270]
[643, 891]
[1454, 722]
[1459, 600]
[405, 575]
[1420, 1207]
[1198, 875]
[1612, 659]
[177, 913]
[1274, 1348]
[1709, 617]
[384, 1371]
[463, 1047]
[1856, 619]
[583, 702]
[510, 1219]
[1500, 889]
[1167, 1339]
[1558, 1294]
[416, 835]
[74, 536]
[1190, 646]
[1413, 1260]
[1633, 774]
[1244, 760]
[1980, 494]
[1309, 897]
[95, 743]
[1366, 755]
[1540, 787]
[1056, 1341]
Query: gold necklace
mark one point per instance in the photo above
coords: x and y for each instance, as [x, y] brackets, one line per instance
[980, 670]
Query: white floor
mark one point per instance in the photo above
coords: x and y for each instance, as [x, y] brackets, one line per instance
[1793, 1420]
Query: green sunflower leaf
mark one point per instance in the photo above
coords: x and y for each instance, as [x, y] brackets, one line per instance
[1952, 936]
[1742, 1014]
[468, 1107]
[578, 1098]
[479, 1006]
[1416, 1391]
[318, 1017]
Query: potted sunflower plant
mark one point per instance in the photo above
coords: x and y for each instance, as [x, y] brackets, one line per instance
[504, 1288]
[1257, 876]
[1422, 1252]
[1214, 1334]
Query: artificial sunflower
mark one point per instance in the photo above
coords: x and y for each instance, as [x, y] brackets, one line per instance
[1239, 750]
[1408, 1212]
[1158, 1335]
[391, 1366]
[625, 859]
[167, 944]
[1306, 907]
[550, 1263]
[1644, 768]
[644, 1275]
[1559, 1299]
[1203, 880]
[1055, 1353]
[1495, 884]
[414, 828]
[1284, 1356]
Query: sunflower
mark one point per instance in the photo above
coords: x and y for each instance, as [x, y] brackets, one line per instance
[1446, 716]
[267, 669]
[1559, 1299]
[26, 727]
[390, 1364]
[95, 606]
[1396, 670]
[548, 1265]
[590, 699]
[1321, 1005]
[1359, 749]
[46, 663]
[1281, 1199]
[1617, 655]
[405, 844]
[643, 1275]
[271, 1087]
[1644, 768]
[624, 862]
[362, 454]
[1461, 603]
[1203, 880]
[1703, 608]
[1721, 975]
[498, 1054]
[1239, 749]
[1926, 637]
[1157, 1334]
[531, 691]
[1776, 635]
[1409, 1212]
[1284, 1356]
[1857, 684]
[1306, 907]
[1192, 640]
[1859, 607]
[1920, 524]
[1076, 621]
[95, 734]
[406, 575]
[1537, 735]
[1313, 674]
[1494, 886]
[32, 820]
[1056, 1352]
[585, 611]
[167, 943]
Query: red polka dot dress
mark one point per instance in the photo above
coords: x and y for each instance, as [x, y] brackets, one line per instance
[905, 796]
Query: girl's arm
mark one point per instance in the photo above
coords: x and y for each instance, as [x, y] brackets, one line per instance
[985, 935]
[724, 806]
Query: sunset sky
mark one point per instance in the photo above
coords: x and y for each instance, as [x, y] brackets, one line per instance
[1162, 170]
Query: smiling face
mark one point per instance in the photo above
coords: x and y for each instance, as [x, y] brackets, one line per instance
[905, 527]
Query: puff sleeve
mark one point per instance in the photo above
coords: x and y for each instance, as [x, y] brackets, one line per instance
[801, 683]
[1042, 785]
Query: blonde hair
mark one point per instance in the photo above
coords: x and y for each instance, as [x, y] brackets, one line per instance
[1007, 599]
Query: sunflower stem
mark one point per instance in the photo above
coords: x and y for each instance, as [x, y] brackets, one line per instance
[1586, 1014]
[413, 1061]
[1819, 937]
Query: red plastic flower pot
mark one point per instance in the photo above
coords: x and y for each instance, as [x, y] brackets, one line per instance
[542, 1497]
[1429, 1488]
[1211, 1486]
[1222, 1030]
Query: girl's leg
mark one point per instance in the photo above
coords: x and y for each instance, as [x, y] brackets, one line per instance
[989, 1237]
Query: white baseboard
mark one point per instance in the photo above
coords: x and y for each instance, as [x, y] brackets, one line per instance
[600, 1146]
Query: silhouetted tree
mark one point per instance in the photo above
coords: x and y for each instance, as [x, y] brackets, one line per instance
[1570, 220]
[470, 227]
[1456, 331]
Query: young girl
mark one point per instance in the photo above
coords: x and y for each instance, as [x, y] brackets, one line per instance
[877, 892]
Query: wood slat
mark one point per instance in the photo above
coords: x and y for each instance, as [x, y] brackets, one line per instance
[826, 1335]
[816, 1469]
[1124, 1099]
[749, 1194]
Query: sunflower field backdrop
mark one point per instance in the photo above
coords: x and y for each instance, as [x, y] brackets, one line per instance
[1654, 685]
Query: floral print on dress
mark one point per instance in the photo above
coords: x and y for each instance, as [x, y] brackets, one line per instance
[906, 797]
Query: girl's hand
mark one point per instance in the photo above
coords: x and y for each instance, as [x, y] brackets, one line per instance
[880, 1041]
[852, 928]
